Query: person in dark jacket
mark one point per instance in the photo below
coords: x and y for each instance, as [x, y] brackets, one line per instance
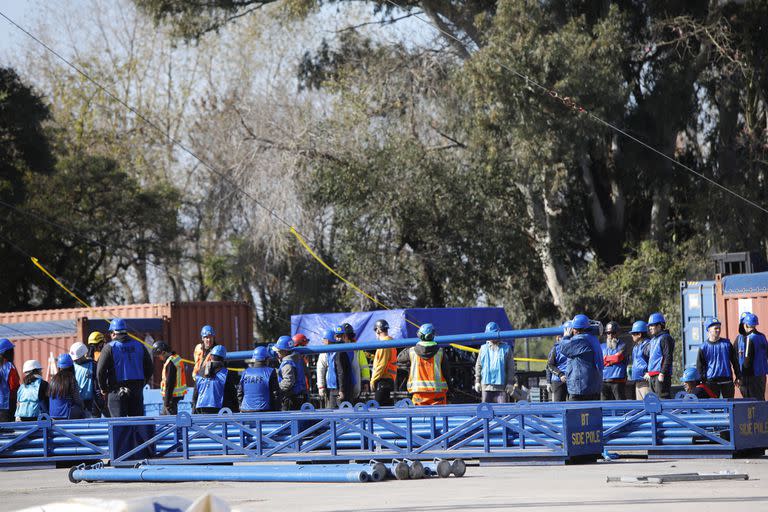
[615, 359]
[215, 385]
[718, 361]
[335, 376]
[258, 389]
[291, 375]
[173, 382]
[585, 361]
[753, 351]
[9, 381]
[661, 354]
[427, 380]
[692, 382]
[124, 367]
[64, 402]
[557, 365]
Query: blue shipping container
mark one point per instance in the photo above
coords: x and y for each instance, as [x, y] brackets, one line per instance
[698, 307]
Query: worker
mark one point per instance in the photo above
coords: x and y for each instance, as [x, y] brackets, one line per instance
[33, 392]
[215, 385]
[258, 389]
[753, 350]
[173, 382]
[428, 367]
[584, 372]
[340, 335]
[64, 402]
[335, 377]
[361, 361]
[9, 381]
[495, 368]
[718, 362]
[692, 383]
[124, 367]
[640, 351]
[557, 364]
[85, 374]
[384, 372]
[293, 388]
[661, 354]
[203, 349]
[614, 364]
[95, 344]
[300, 340]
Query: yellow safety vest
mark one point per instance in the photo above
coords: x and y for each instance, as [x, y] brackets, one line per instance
[426, 375]
[181, 377]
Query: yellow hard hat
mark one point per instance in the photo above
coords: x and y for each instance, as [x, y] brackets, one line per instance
[95, 338]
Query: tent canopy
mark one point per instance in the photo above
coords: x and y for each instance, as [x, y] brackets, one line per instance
[445, 320]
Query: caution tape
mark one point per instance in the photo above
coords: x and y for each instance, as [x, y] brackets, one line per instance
[357, 288]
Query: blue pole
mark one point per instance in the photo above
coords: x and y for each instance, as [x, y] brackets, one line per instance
[462, 339]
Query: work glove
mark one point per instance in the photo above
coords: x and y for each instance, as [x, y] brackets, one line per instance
[661, 377]
[478, 387]
[563, 379]
[510, 389]
[647, 378]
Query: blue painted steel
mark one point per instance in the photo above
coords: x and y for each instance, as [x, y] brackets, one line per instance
[464, 339]
[698, 306]
[265, 473]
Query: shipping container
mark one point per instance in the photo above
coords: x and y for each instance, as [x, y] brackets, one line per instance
[737, 294]
[698, 306]
[38, 333]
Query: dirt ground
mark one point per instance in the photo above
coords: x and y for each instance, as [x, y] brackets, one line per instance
[545, 488]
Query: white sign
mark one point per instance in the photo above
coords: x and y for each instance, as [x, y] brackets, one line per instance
[693, 302]
[745, 305]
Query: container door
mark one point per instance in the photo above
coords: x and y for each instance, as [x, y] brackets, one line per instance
[698, 306]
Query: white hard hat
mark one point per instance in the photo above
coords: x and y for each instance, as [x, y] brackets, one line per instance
[32, 364]
[78, 350]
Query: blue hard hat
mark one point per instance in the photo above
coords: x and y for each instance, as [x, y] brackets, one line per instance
[751, 320]
[207, 330]
[328, 335]
[712, 322]
[284, 343]
[580, 322]
[656, 318]
[64, 361]
[338, 330]
[639, 327]
[219, 350]
[426, 332]
[492, 327]
[690, 374]
[743, 315]
[260, 354]
[117, 325]
[5, 345]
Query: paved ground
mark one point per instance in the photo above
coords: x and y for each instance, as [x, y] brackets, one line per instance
[545, 488]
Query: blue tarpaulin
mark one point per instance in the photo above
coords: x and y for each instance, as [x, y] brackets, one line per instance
[34, 329]
[745, 283]
[445, 320]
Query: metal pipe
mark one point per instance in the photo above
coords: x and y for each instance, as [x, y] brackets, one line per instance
[191, 473]
[438, 467]
[463, 339]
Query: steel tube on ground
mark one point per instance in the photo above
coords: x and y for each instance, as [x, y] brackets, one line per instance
[271, 473]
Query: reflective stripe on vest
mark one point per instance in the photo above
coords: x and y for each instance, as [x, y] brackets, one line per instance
[5, 389]
[129, 360]
[255, 383]
[180, 386]
[210, 391]
[493, 364]
[426, 375]
[84, 377]
[28, 402]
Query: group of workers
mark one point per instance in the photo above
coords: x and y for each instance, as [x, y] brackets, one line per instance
[100, 378]
[583, 368]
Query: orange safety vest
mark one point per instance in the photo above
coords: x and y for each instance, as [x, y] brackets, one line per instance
[384, 364]
[180, 386]
[199, 359]
[426, 375]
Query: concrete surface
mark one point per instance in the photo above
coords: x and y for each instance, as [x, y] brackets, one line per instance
[545, 488]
